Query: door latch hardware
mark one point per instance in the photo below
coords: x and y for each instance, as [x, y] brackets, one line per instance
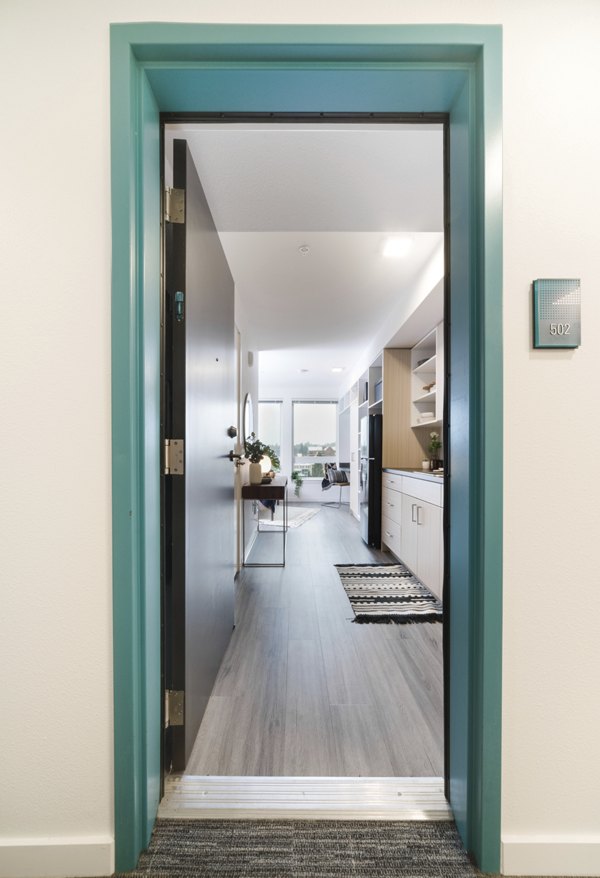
[238, 459]
[174, 707]
[179, 301]
[174, 457]
[175, 205]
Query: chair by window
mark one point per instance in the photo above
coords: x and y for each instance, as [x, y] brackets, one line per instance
[334, 477]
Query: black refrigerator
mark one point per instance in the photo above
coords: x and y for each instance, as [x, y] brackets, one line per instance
[371, 427]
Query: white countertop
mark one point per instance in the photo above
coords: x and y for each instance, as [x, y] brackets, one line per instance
[416, 474]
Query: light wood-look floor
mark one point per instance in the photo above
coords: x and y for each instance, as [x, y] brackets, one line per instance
[303, 691]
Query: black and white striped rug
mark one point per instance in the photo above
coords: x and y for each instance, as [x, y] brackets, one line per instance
[388, 593]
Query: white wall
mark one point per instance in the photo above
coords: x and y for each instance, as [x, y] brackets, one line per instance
[56, 670]
[412, 318]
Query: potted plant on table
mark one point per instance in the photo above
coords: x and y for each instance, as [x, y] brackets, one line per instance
[256, 452]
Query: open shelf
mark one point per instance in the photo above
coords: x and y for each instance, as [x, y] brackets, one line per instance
[391, 387]
[427, 397]
[427, 359]
[436, 422]
[428, 367]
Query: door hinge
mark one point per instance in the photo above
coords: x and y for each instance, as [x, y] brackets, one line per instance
[174, 457]
[174, 704]
[175, 205]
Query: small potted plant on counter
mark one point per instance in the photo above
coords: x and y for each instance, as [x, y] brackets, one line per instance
[256, 452]
[434, 450]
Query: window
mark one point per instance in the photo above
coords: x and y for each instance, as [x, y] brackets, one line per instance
[269, 424]
[314, 427]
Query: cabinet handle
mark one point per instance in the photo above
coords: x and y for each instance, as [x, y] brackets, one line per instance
[388, 534]
[414, 506]
[419, 510]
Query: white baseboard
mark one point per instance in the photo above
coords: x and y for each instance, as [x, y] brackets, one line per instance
[57, 857]
[551, 855]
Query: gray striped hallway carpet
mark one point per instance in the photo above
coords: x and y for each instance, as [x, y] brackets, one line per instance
[304, 849]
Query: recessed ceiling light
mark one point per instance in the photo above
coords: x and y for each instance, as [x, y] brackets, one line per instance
[304, 249]
[337, 369]
[398, 246]
[302, 370]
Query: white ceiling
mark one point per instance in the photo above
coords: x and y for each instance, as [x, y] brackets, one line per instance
[340, 190]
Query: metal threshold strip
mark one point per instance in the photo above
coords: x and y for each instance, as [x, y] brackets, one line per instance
[307, 798]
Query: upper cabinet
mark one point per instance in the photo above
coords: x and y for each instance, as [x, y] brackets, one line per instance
[370, 388]
[427, 379]
[376, 386]
[406, 386]
[349, 398]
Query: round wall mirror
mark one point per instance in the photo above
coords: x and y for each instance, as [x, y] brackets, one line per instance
[248, 416]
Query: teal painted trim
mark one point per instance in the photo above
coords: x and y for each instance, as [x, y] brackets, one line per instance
[459, 496]
[149, 336]
[126, 476]
[136, 455]
[476, 370]
[372, 88]
[487, 632]
[189, 42]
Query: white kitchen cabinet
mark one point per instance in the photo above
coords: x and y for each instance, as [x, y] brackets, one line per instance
[415, 537]
[391, 513]
[390, 534]
[391, 482]
[426, 533]
[408, 540]
[391, 504]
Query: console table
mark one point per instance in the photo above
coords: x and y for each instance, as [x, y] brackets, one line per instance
[274, 490]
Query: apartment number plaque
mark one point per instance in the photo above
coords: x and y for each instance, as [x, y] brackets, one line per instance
[557, 313]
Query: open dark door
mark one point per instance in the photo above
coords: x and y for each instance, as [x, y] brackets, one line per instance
[198, 407]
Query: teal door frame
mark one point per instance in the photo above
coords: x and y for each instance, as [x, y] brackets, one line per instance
[453, 69]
